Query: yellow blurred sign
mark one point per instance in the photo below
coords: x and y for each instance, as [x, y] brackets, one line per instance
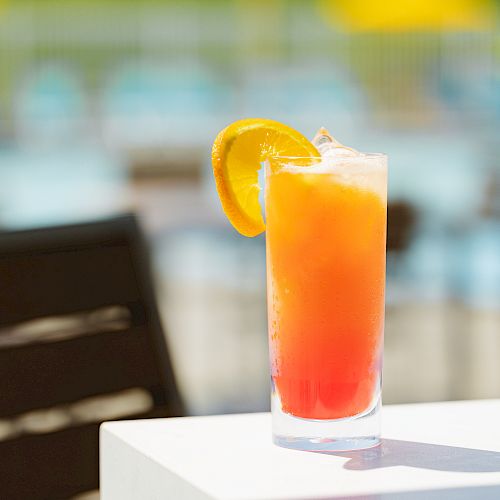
[3, 6]
[409, 15]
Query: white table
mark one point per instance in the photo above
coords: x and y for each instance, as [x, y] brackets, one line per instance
[429, 451]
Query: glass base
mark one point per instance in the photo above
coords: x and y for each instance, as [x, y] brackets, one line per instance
[326, 445]
[345, 434]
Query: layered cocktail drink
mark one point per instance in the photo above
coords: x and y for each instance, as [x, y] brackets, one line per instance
[325, 239]
[326, 233]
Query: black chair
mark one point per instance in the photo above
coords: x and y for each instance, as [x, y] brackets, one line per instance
[95, 278]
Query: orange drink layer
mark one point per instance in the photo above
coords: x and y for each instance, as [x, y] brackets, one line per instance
[326, 233]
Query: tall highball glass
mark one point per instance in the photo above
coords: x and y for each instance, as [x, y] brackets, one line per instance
[326, 247]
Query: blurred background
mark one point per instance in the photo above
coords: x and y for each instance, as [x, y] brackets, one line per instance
[109, 106]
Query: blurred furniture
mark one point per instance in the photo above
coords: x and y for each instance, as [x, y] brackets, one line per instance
[50, 107]
[147, 105]
[401, 218]
[78, 328]
[68, 184]
[429, 451]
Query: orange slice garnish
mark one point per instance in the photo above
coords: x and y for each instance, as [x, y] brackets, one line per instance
[237, 154]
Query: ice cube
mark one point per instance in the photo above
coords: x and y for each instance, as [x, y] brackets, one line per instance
[329, 147]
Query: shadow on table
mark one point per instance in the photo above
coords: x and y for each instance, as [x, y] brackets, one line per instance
[393, 452]
[467, 493]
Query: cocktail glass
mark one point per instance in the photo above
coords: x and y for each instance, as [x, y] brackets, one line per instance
[326, 236]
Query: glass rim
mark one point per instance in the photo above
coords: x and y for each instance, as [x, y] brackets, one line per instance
[369, 156]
